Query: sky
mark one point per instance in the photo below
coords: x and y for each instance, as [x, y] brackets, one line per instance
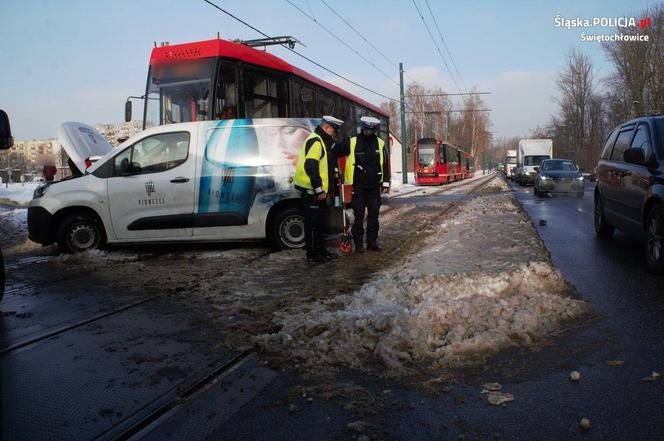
[64, 60]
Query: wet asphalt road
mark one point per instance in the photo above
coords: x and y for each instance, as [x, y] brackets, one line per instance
[629, 326]
[251, 401]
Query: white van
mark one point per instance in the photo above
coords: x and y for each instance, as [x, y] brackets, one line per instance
[530, 155]
[510, 164]
[200, 181]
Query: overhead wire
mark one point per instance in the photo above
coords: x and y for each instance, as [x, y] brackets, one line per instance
[327, 69]
[436, 45]
[435, 22]
[340, 40]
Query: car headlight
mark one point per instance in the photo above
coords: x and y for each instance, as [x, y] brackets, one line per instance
[544, 178]
[580, 178]
[40, 191]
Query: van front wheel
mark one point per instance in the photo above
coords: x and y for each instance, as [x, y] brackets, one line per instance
[79, 233]
[287, 229]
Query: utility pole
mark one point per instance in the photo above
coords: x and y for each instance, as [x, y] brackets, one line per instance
[447, 127]
[404, 141]
[472, 136]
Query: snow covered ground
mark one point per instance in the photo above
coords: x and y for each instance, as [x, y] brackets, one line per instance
[14, 231]
[484, 283]
[399, 188]
[17, 194]
[481, 281]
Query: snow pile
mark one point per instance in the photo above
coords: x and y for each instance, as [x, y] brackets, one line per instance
[96, 256]
[485, 283]
[232, 253]
[16, 219]
[404, 319]
[19, 194]
[13, 227]
[396, 180]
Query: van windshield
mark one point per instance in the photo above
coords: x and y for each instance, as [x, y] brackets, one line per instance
[534, 160]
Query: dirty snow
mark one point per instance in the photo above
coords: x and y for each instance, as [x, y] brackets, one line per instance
[14, 231]
[18, 194]
[484, 284]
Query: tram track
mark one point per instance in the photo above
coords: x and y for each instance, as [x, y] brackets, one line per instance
[52, 332]
[159, 410]
[58, 330]
[160, 413]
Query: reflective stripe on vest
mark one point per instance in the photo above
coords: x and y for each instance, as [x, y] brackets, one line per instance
[350, 162]
[317, 152]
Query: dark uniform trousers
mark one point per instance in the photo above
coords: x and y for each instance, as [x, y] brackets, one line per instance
[315, 216]
[366, 198]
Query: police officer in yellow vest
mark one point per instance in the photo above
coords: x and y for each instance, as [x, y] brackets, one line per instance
[367, 170]
[314, 176]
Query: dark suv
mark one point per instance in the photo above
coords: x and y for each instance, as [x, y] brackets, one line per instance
[630, 185]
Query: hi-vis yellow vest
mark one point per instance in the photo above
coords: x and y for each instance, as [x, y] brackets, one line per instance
[317, 152]
[350, 162]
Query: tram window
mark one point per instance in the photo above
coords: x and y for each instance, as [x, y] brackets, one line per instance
[265, 96]
[303, 101]
[326, 103]
[351, 120]
[359, 113]
[185, 101]
[441, 154]
[346, 112]
[451, 155]
[226, 101]
[384, 127]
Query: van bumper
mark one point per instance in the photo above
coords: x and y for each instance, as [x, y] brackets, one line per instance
[40, 223]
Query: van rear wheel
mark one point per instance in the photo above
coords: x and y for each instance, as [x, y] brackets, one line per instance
[287, 229]
[79, 233]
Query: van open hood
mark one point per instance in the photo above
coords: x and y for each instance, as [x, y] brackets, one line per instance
[81, 141]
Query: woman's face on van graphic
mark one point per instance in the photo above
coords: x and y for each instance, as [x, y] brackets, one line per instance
[287, 140]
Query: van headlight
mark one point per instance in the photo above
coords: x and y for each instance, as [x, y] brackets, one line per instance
[40, 191]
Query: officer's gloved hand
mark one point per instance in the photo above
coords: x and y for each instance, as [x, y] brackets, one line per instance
[321, 196]
[385, 188]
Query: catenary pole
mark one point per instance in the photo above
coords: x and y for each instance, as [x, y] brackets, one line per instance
[404, 161]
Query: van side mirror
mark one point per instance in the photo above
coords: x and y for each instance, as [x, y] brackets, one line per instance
[634, 155]
[6, 139]
[127, 111]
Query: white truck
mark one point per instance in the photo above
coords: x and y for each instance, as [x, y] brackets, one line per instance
[530, 154]
[510, 163]
[200, 181]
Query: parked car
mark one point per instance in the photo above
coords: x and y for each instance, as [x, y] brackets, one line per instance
[6, 141]
[629, 194]
[558, 176]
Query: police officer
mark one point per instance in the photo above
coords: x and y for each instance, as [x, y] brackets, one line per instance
[366, 170]
[314, 176]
